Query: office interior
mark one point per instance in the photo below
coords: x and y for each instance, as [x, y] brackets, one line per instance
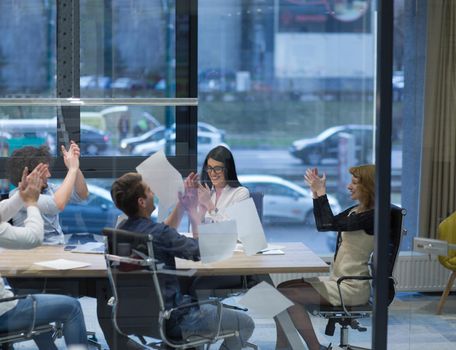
[286, 85]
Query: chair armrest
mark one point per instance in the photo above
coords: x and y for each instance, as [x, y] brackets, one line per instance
[167, 313]
[343, 278]
[127, 260]
[16, 297]
[359, 278]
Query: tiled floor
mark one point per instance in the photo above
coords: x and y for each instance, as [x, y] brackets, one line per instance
[412, 325]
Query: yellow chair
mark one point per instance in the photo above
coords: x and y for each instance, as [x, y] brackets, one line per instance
[447, 232]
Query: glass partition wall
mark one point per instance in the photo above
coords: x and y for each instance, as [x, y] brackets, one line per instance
[286, 85]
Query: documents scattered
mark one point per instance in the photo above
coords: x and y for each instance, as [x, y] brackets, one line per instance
[264, 301]
[272, 250]
[249, 228]
[163, 179]
[62, 264]
[217, 241]
[89, 248]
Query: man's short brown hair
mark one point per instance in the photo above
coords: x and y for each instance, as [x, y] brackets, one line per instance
[28, 157]
[126, 191]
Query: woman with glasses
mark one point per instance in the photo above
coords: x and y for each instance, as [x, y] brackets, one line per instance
[219, 187]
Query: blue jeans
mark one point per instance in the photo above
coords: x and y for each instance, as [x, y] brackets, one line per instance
[203, 322]
[49, 308]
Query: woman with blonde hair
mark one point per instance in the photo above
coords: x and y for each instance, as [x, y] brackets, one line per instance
[355, 243]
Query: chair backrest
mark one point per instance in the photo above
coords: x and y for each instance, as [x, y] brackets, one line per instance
[447, 232]
[258, 200]
[395, 237]
[136, 308]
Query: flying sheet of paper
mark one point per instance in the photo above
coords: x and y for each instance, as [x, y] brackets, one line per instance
[249, 228]
[62, 264]
[217, 241]
[264, 301]
[163, 179]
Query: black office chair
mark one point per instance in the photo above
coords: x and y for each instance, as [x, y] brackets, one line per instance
[8, 339]
[138, 307]
[347, 316]
[24, 286]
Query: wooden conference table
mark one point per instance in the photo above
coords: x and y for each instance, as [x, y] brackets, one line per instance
[19, 265]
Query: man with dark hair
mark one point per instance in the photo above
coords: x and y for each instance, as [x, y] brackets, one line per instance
[135, 198]
[53, 199]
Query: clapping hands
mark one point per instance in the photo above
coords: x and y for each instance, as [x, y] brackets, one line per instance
[204, 197]
[316, 183]
[71, 156]
[189, 199]
[31, 184]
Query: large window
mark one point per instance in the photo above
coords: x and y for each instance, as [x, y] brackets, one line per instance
[291, 83]
[286, 85]
[119, 62]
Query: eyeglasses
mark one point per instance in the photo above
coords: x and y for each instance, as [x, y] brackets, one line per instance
[217, 169]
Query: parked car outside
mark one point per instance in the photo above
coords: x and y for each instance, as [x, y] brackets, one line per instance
[94, 82]
[284, 201]
[130, 84]
[154, 135]
[206, 141]
[155, 139]
[92, 215]
[326, 145]
[93, 141]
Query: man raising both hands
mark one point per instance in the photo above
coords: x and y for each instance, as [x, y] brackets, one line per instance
[53, 199]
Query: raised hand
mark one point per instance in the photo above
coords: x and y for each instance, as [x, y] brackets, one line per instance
[71, 156]
[41, 170]
[204, 197]
[316, 183]
[189, 200]
[30, 187]
[191, 181]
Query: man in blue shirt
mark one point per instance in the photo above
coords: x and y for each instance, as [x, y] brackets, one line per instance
[135, 198]
[53, 199]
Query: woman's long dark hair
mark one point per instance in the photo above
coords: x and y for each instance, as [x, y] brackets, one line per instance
[224, 155]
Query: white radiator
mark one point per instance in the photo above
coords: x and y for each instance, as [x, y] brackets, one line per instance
[421, 273]
[413, 273]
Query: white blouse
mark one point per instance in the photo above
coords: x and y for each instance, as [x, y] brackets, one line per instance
[229, 196]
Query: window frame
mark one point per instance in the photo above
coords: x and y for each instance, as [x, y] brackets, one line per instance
[68, 86]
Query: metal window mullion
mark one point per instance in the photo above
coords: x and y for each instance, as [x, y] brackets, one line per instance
[68, 121]
[186, 35]
[385, 12]
[73, 101]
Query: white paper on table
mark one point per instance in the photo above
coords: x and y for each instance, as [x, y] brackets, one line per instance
[163, 179]
[249, 228]
[217, 241]
[272, 252]
[264, 301]
[62, 264]
[272, 249]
